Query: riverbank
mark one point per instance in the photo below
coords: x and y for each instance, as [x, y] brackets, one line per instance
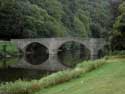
[8, 54]
[7, 49]
[108, 79]
[6, 62]
[58, 82]
[28, 87]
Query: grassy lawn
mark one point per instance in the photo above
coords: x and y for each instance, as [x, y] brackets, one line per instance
[108, 79]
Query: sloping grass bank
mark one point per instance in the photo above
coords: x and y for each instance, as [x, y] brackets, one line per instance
[108, 79]
[28, 87]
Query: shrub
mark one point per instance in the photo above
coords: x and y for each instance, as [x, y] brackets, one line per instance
[118, 52]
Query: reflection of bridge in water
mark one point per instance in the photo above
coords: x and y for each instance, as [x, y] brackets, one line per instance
[43, 53]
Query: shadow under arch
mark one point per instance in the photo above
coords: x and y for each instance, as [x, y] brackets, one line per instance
[71, 53]
[103, 51]
[36, 53]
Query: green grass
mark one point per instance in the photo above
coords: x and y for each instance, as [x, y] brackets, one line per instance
[108, 79]
[28, 87]
[89, 77]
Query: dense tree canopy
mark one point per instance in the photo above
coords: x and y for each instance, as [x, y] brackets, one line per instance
[119, 26]
[55, 18]
[118, 37]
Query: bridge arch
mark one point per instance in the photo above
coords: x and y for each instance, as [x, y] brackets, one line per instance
[76, 53]
[83, 42]
[103, 51]
[36, 53]
[52, 45]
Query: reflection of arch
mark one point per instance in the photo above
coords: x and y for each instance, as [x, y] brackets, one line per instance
[36, 53]
[83, 53]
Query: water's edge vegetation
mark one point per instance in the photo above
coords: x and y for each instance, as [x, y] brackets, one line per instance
[28, 87]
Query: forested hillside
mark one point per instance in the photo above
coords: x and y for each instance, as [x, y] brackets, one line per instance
[55, 18]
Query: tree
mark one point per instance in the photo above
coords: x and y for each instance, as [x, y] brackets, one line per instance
[119, 25]
[24, 19]
[118, 38]
[55, 18]
[10, 20]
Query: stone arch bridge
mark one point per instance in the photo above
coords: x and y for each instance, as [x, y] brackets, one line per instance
[52, 46]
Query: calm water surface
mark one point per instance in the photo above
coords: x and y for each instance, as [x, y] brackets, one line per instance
[11, 74]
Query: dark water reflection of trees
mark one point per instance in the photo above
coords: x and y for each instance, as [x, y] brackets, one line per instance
[11, 74]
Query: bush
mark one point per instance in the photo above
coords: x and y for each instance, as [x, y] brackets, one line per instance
[118, 52]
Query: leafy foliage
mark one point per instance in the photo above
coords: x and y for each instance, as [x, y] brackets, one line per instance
[54, 18]
[118, 38]
[120, 21]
